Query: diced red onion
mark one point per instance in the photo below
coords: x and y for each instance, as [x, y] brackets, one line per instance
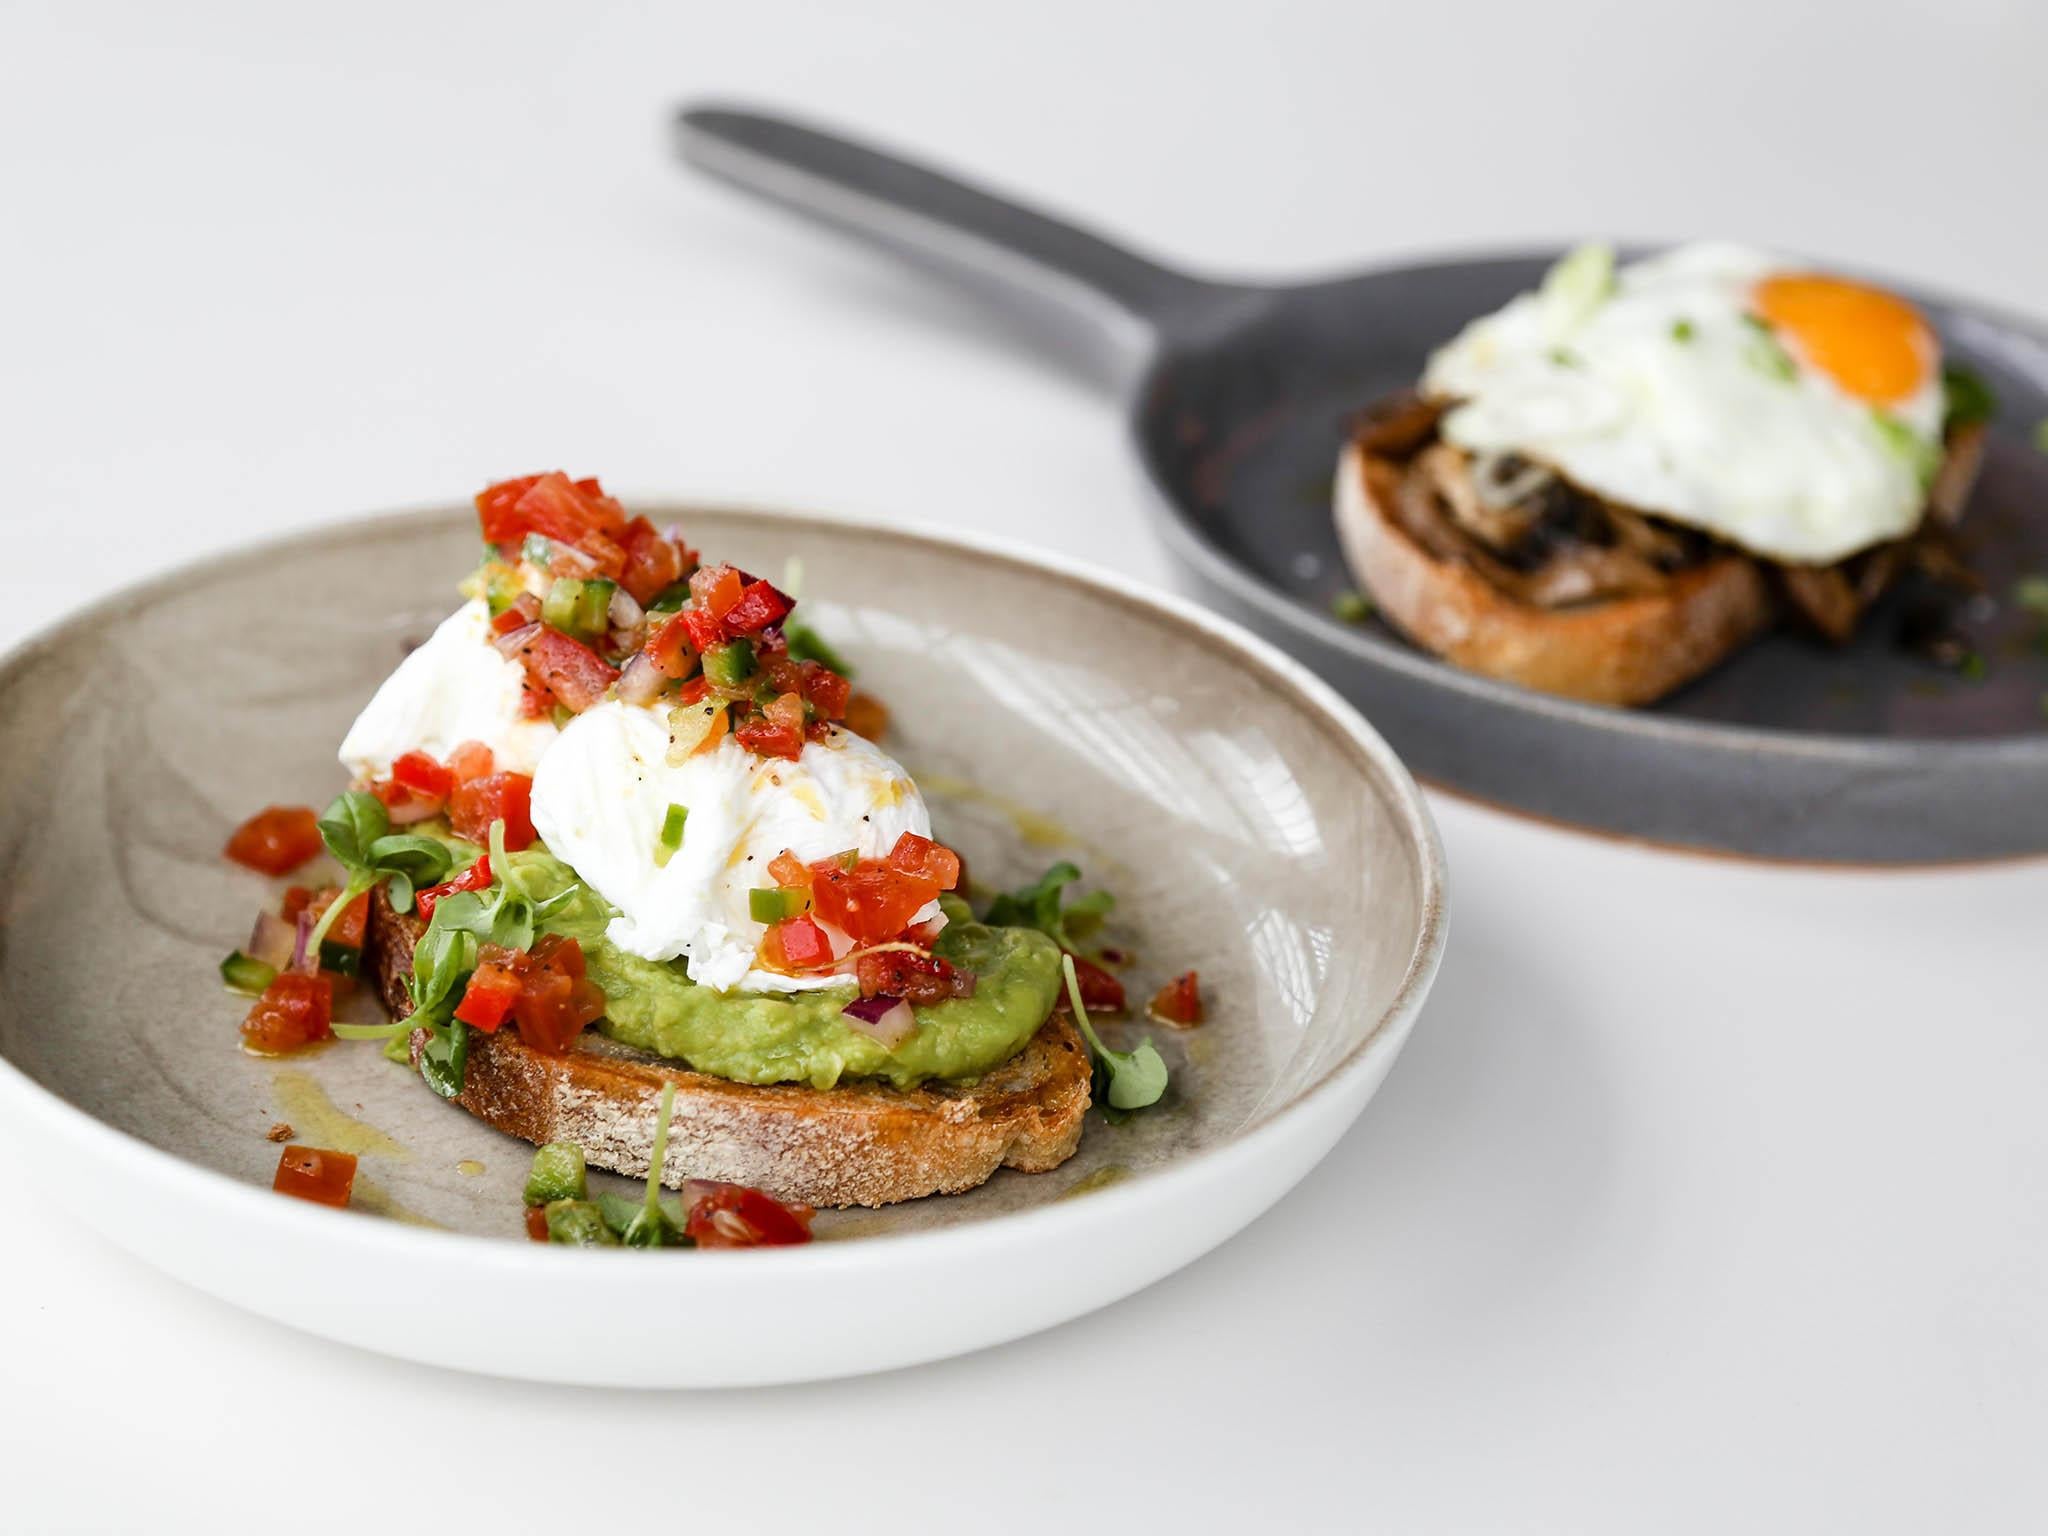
[625, 612]
[413, 808]
[512, 643]
[883, 1018]
[272, 940]
[301, 961]
[642, 681]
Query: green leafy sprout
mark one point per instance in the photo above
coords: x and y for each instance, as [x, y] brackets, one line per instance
[1136, 1078]
[1039, 906]
[357, 832]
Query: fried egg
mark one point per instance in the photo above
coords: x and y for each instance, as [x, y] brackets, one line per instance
[603, 791]
[1795, 415]
[456, 687]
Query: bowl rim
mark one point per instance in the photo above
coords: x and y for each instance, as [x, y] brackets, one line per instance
[1376, 761]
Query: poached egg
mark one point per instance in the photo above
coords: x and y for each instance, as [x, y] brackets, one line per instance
[1795, 415]
[456, 687]
[603, 790]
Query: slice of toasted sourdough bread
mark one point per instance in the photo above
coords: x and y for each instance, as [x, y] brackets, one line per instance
[1626, 650]
[860, 1143]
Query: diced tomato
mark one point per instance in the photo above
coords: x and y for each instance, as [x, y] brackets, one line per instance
[475, 878]
[471, 760]
[921, 856]
[422, 775]
[768, 739]
[276, 840]
[796, 944]
[354, 921]
[568, 669]
[295, 1010]
[315, 1174]
[652, 562]
[866, 716]
[757, 606]
[670, 647]
[496, 509]
[1178, 1002]
[913, 977]
[537, 1223]
[787, 870]
[489, 998]
[778, 671]
[702, 627]
[870, 903]
[1100, 991]
[495, 796]
[296, 899]
[556, 999]
[695, 691]
[535, 703]
[826, 690]
[716, 588]
[734, 1216]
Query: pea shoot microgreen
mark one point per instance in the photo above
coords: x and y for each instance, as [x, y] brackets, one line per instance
[357, 832]
[1038, 905]
[1136, 1078]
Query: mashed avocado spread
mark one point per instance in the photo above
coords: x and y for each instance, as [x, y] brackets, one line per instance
[751, 1037]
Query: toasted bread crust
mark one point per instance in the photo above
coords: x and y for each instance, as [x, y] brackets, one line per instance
[856, 1144]
[1625, 651]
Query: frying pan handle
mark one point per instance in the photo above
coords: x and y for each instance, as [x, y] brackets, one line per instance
[1106, 301]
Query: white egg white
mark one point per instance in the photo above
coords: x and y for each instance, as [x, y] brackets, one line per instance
[456, 687]
[1664, 396]
[603, 791]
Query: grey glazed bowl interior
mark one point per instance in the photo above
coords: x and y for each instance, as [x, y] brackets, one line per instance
[1249, 825]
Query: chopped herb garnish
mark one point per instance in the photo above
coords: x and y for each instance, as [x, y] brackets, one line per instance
[1918, 454]
[1766, 353]
[1038, 906]
[806, 644]
[671, 833]
[1972, 666]
[2041, 434]
[1136, 1078]
[1967, 399]
[1564, 357]
[1682, 330]
[1351, 607]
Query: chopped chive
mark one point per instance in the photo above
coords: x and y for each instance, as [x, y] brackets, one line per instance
[671, 833]
[1681, 330]
[1564, 357]
[1351, 607]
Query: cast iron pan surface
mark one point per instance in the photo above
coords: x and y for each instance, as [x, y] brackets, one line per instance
[1238, 399]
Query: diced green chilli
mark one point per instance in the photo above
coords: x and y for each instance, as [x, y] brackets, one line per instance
[671, 833]
[246, 974]
[579, 1224]
[730, 664]
[559, 608]
[557, 1174]
[501, 588]
[672, 597]
[342, 959]
[594, 607]
[772, 904]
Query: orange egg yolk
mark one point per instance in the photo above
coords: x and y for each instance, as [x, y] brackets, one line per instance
[1873, 344]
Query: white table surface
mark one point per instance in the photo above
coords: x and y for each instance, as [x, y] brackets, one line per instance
[1708, 1196]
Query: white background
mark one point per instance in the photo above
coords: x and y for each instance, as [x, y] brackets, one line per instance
[1709, 1196]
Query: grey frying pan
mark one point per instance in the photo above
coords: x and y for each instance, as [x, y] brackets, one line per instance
[1237, 396]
